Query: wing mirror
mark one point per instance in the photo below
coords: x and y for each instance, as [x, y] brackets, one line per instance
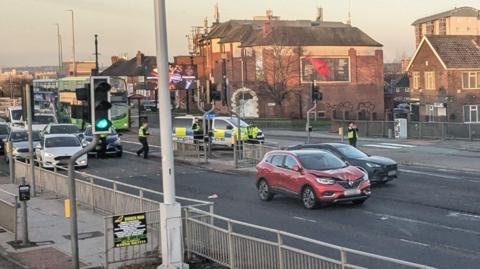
[297, 168]
[39, 147]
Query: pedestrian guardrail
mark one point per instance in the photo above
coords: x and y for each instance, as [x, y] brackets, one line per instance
[8, 212]
[240, 245]
[251, 154]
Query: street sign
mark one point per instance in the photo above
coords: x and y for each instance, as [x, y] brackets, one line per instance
[129, 230]
[24, 192]
[211, 116]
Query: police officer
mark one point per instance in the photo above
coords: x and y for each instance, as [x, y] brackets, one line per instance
[253, 132]
[196, 130]
[352, 134]
[142, 137]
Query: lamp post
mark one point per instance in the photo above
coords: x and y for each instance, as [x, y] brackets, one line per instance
[170, 211]
[73, 44]
[60, 56]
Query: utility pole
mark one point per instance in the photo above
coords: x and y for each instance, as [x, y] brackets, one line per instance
[73, 44]
[96, 55]
[170, 210]
[28, 96]
[60, 60]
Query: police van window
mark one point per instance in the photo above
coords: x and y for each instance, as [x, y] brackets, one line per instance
[221, 124]
[182, 123]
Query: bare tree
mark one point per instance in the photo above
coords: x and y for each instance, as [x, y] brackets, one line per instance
[13, 87]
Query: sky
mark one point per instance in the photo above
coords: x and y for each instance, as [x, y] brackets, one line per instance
[28, 35]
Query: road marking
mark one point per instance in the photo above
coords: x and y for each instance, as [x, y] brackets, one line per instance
[382, 216]
[415, 243]
[464, 216]
[129, 152]
[137, 143]
[438, 175]
[303, 219]
[398, 145]
[380, 146]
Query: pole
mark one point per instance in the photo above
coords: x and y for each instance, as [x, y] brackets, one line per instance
[237, 141]
[204, 125]
[28, 96]
[96, 55]
[170, 210]
[59, 41]
[73, 44]
[11, 162]
[308, 128]
[73, 201]
[24, 220]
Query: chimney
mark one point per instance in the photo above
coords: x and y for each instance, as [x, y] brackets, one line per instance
[139, 58]
[319, 14]
[115, 59]
[267, 25]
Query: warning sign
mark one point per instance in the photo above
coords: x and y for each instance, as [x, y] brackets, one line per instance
[129, 230]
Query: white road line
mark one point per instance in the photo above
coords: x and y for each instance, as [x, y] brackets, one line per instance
[380, 146]
[386, 217]
[439, 175]
[398, 145]
[415, 243]
[303, 219]
[130, 152]
[464, 216]
[137, 143]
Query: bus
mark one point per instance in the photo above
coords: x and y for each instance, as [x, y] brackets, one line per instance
[73, 109]
[45, 96]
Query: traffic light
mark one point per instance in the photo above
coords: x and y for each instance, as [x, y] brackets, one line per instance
[316, 94]
[100, 105]
[24, 102]
[214, 93]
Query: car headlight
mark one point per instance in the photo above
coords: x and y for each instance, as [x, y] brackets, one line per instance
[325, 181]
[373, 165]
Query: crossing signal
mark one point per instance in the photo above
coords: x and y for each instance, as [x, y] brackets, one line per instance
[100, 105]
[316, 93]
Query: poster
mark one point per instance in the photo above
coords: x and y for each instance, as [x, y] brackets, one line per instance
[129, 230]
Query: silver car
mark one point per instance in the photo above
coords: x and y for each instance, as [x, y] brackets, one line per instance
[19, 139]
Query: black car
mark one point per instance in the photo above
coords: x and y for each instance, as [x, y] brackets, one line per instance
[4, 131]
[114, 147]
[379, 169]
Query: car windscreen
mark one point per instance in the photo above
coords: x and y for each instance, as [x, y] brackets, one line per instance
[23, 136]
[351, 152]
[320, 161]
[234, 122]
[43, 119]
[3, 130]
[64, 129]
[88, 131]
[59, 142]
[16, 114]
[182, 123]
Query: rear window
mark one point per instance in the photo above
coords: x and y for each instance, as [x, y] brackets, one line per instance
[58, 142]
[3, 129]
[64, 129]
[182, 123]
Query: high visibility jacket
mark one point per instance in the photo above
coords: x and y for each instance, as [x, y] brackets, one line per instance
[196, 127]
[143, 132]
[352, 133]
[253, 132]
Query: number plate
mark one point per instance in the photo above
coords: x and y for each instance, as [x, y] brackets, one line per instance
[392, 173]
[351, 192]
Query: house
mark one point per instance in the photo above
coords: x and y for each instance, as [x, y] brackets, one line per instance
[397, 93]
[265, 67]
[458, 21]
[444, 76]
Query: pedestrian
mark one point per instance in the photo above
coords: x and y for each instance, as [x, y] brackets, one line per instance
[352, 133]
[142, 137]
[197, 131]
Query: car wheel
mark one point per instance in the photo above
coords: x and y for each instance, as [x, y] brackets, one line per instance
[309, 199]
[119, 154]
[264, 191]
[359, 202]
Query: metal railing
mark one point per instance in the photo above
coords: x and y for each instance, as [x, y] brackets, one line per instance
[8, 212]
[194, 150]
[241, 245]
[252, 154]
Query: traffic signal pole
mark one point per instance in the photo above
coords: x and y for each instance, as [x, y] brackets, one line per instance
[73, 201]
[308, 127]
[170, 210]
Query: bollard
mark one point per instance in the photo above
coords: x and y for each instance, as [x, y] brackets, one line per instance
[340, 133]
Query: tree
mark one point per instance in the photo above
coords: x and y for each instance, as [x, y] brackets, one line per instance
[13, 87]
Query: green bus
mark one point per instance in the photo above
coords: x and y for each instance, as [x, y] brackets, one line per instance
[72, 110]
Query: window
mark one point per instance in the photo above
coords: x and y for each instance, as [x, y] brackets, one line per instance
[259, 74]
[416, 80]
[430, 113]
[220, 125]
[184, 123]
[471, 80]
[442, 26]
[430, 28]
[470, 113]
[59, 142]
[325, 69]
[290, 162]
[430, 80]
[320, 161]
[64, 129]
[4, 130]
[277, 160]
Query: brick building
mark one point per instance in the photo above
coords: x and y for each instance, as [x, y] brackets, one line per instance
[265, 67]
[445, 77]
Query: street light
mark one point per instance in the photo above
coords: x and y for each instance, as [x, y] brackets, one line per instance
[73, 44]
[60, 54]
[170, 211]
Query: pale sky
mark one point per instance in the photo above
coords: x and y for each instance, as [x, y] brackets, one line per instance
[28, 34]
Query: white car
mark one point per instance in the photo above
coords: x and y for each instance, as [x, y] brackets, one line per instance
[56, 149]
[42, 120]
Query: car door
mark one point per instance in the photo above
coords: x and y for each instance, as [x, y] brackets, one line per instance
[221, 132]
[291, 179]
[275, 171]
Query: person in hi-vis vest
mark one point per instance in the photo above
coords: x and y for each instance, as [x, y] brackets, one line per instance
[352, 134]
[142, 137]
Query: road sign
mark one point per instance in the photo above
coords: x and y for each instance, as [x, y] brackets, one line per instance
[24, 192]
[211, 116]
[129, 230]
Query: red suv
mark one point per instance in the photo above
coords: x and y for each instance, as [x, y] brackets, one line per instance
[316, 176]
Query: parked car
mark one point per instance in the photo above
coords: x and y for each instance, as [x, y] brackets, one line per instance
[379, 169]
[114, 147]
[56, 149]
[62, 128]
[4, 131]
[315, 176]
[19, 139]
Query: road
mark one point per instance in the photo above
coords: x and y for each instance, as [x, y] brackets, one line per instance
[427, 216]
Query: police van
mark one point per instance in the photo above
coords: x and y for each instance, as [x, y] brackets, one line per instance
[222, 129]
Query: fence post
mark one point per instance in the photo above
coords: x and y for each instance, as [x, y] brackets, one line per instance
[141, 200]
[231, 259]
[280, 245]
[383, 128]
[366, 128]
[114, 197]
[470, 137]
[92, 194]
[235, 157]
[343, 258]
[420, 130]
[105, 243]
[210, 210]
[187, 235]
[443, 130]
[15, 226]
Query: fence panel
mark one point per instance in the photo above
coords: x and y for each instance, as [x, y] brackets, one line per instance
[8, 212]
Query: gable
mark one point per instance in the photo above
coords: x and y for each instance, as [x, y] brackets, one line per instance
[426, 53]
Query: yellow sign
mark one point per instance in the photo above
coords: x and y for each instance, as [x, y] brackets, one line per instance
[340, 131]
[67, 208]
